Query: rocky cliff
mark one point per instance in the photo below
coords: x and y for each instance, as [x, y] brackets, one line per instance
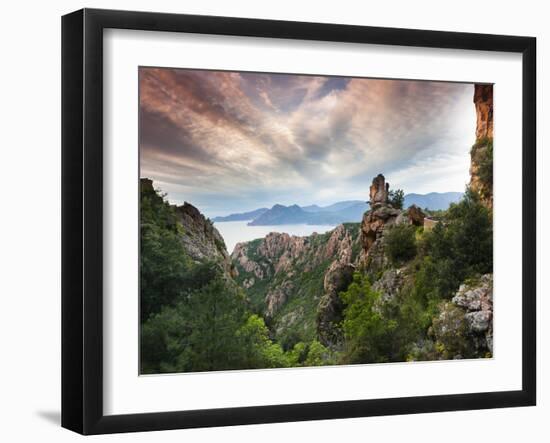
[293, 282]
[481, 164]
[464, 327]
[376, 221]
[483, 100]
[200, 239]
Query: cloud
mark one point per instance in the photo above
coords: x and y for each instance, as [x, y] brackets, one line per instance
[234, 141]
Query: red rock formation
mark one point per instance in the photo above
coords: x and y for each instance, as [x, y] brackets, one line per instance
[481, 162]
[483, 100]
[378, 191]
[374, 222]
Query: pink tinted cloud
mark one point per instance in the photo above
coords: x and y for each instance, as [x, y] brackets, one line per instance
[226, 132]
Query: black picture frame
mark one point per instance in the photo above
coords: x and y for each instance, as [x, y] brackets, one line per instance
[82, 218]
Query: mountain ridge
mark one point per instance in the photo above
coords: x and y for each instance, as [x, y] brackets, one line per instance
[240, 216]
[335, 213]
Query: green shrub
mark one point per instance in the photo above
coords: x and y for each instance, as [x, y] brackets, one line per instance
[298, 354]
[318, 355]
[396, 198]
[368, 334]
[400, 242]
[462, 246]
[485, 170]
[257, 350]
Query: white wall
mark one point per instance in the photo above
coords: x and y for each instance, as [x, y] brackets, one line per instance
[30, 219]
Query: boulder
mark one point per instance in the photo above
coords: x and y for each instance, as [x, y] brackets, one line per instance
[465, 326]
[476, 296]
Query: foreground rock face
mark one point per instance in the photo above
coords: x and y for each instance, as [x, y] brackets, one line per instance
[478, 301]
[478, 297]
[465, 325]
[200, 238]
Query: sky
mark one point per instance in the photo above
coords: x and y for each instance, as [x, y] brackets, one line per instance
[235, 141]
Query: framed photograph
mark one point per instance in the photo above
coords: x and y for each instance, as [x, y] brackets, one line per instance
[269, 221]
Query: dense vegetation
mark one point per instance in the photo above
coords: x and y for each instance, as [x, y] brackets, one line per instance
[435, 263]
[401, 243]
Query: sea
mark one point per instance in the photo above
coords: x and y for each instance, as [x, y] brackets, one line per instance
[234, 232]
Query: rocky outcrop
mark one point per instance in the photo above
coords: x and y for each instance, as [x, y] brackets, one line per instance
[277, 296]
[298, 279]
[483, 100]
[481, 154]
[278, 254]
[200, 239]
[374, 222]
[389, 284]
[379, 191]
[477, 299]
[329, 312]
[464, 327]
[382, 215]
